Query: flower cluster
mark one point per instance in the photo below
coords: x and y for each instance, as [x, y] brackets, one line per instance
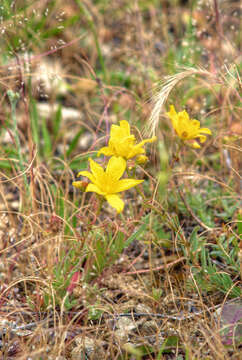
[107, 183]
[187, 129]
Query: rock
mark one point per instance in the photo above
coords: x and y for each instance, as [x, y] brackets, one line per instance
[46, 110]
[124, 326]
[86, 141]
[87, 347]
[229, 317]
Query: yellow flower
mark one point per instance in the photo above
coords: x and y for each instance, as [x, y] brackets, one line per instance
[107, 183]
[82, 185]
[141, 159]
[122, 143]
[187, 129]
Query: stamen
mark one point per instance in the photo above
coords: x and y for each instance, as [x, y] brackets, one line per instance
[184, 134]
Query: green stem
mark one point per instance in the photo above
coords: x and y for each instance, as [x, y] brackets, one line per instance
[100, 204]
[13, 98]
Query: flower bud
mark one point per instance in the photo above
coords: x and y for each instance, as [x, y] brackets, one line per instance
[141, 159]
[80, 185]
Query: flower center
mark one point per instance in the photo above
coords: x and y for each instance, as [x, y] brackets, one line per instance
[184, 134]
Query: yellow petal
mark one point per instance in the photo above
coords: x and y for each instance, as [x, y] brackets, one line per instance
[116, 167]
[96, 169]
[138, 149]
[119, 132]
[205, 131]
[195, 123]
[173, 116]
[172, 111]
[183, 116]
[202, 138]
[115, 131]
[125, 126]
[142, 159]
[126, 184]
[87, 174]
[78, 184]
[94, 188]
[115, 202]
[154, 138]
[123, 147]
[106, 150]
[195, 145]
[143, 142]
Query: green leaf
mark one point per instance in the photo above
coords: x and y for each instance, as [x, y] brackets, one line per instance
[57, 121]
[100, 255]
[34, 117]
[74, 143]
[171, 341]
[138, 232]
[47, 149]
[5, 164]
[239, 223]
[119, 243]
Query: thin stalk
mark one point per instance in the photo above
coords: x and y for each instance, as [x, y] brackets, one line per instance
[13, 98]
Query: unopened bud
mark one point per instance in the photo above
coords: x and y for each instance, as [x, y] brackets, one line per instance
[195, 145]
[142, 159]
[80, 185]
